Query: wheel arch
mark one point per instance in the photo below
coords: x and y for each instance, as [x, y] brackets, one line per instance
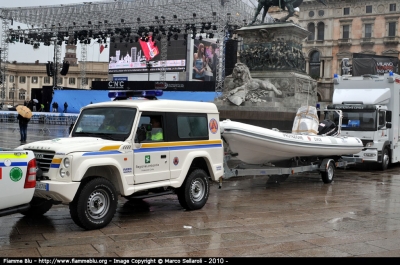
[193, 161]
[201, 163]
[110, 172]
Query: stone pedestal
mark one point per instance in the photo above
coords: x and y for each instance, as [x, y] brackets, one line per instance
[273, 52]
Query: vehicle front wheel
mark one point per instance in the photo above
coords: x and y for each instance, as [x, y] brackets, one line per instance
[385, 159]
[95, 204]
[193, 194]
[38, 207]
[327, 176]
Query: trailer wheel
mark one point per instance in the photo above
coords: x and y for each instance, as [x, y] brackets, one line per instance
[95, 204]
[327, 176]
[193, 194]
[385, 159]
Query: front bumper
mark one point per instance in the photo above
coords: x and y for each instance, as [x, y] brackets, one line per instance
[57, 191]
[368, 155]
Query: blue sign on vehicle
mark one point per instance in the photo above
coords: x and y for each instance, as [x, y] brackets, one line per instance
[120, 78]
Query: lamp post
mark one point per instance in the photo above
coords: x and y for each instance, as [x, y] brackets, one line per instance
[13, 90]
[148, 66]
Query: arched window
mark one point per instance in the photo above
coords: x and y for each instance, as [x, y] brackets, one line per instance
[311, 29]
[315, 65]
[320, 31]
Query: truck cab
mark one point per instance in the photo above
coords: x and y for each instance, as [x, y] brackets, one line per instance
[370, 109]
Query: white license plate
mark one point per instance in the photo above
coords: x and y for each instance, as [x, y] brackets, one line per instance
[42, 186]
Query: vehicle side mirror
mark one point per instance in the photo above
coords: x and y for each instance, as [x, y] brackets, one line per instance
[71, 127]
[388, 125]
[142, 132]
[388, 116]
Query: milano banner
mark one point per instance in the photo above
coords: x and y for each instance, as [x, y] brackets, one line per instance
[374, 64]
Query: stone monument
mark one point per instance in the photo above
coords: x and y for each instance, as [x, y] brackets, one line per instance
[269, 82]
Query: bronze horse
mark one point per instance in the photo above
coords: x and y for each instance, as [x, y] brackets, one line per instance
[289, 4]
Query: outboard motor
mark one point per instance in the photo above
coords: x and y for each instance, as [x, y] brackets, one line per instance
[327, 127]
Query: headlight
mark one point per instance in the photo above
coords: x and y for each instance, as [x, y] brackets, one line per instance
[369, 144]
[62, 172]
[67, 162]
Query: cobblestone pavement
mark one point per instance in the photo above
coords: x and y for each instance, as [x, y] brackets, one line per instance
[358, 214]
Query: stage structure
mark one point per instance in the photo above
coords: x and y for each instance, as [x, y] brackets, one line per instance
[123, 21]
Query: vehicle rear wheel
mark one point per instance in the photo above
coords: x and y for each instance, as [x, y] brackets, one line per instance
[327, 176]
[193, 194]
[39, 206]
[95, 204]
[385, 159]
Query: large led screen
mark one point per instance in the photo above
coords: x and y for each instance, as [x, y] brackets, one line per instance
[205, 59]
[130, 57]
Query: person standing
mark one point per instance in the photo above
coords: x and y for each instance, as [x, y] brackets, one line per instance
[56, 107]
[318, 106]
[30, 105]
[65, 107]
[199, 63]
[214, 61]
[23, 127]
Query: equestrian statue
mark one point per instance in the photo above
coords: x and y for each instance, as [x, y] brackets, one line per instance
[289, 4]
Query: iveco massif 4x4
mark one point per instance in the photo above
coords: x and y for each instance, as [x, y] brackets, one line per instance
[111, 152]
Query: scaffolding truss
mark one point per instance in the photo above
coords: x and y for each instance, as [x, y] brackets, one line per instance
[119, 18]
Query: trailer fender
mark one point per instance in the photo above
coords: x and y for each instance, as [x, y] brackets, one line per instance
[324, 164]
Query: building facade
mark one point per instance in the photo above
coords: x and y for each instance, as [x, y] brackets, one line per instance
[342, 28]
[22, 78]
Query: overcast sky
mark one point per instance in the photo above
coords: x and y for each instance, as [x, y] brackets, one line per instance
[25, 53]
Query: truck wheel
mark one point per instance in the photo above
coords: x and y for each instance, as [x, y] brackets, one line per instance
[327, 176]
[193, 194]
[95, 204]
[385, 159]
[39, 206]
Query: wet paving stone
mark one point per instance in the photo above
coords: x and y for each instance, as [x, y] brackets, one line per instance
[357, 215]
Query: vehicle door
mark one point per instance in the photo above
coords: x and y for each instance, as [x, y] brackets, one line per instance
[151, 159]
[383, 132]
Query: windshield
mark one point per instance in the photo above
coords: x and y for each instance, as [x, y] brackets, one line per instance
[356, 120]
[108, 123]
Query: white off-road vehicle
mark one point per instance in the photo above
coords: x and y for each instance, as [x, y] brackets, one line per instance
[111, 152]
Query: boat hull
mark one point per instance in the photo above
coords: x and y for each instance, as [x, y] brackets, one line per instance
[257, 145]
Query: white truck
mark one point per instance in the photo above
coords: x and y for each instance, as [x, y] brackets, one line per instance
[17, 181]
[370, 107]
[111, 151]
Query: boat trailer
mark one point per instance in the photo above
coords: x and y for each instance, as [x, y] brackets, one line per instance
[325, 166]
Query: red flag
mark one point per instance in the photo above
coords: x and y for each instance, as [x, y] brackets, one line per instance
[101, 48]
[149, 49]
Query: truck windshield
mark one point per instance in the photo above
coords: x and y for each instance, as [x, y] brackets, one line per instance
[354, 120]
[108, 123]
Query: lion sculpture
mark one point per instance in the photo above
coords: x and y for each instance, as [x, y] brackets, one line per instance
[242, 87]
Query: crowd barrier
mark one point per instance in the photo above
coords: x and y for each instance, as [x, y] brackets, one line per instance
[8, 120]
